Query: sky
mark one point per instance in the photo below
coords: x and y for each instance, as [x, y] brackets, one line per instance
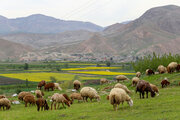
[100, 12]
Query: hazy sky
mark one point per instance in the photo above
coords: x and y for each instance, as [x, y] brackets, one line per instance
[101, 12]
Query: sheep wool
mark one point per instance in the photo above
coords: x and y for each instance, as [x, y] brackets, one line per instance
[4, 102]
[121, 78]
[162, 69]
[135, 80]
[117, 96]
[57, 86]
[118, 85]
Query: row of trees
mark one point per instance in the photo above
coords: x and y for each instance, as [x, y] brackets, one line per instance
[153, 61]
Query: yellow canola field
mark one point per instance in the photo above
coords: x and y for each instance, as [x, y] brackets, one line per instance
[101, 73]
[91, 68]
[37, 77]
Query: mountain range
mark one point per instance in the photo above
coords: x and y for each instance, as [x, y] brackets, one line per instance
[157, 30]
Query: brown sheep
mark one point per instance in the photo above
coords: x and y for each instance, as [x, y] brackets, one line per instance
[178, 68]
[155, 88]
[39, 93]
[29, 99]
[165, 82]
[76, 96]
[121, 78]
[144, 86]
[138, 74]
[42, 103]
[2, 96]
[4, 102]
[103, 81]
[172, 67]
[162, 69]
[179, 83]
[49, 86]
[77, 84]
[149, 72]
[22, 94]
[67, 98]
[42, 83]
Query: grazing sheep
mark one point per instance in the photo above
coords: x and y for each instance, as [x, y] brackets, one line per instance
[149, 72]
[41, 83]
[29, 99]
[77, 84]
[172, 67]
[76, 96]
[155, 88]
[178, 68]
[67, 98]
[42, 103]
[165, 82]
[22, 94]
[4, 102]
[135, 80]
[117, 96]
[138, 74]
[57, 86]
[108, 87]
[39, 93]
[121, 78]
[162, 69]
[103, 81]
[118, 85]
[143, 86]
[59, 98]
[89, 92]
[48, 86]
[2, 96]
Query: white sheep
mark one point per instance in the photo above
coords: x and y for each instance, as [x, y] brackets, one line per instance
[89, 92]
[135, 80]
[121, 78]
[117, 96]
[77, 84]
[103, 81]
[162, 69]
[118, 85]
[138, 74]
[58, 98]
[171, 67]
[4, 102]
[39, 93]
[57, 86]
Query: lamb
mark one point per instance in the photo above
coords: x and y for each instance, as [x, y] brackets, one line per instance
[118, 85]
[162, 69]
[42, 83]
[89, 92]
[144, 86]
[39, 93]
[67, 98]
[135, 80]
[155, 88]
[4, 102]
[149, 72]
[58, 98]
[117, 96]
[2, 96]
[48, 86]
[138, 74]
[57, 86]
[172, 67]
[103, 81]
[77, 84]
[76, 96]
[41, 102]
[121, 78]
[22, 94]
[165, 82]
[29, 99]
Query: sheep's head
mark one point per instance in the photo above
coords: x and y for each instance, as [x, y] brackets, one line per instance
[107, 97]
[67, 103]
[97, 98]
[46, 107]
[153, 94]
[130, 102]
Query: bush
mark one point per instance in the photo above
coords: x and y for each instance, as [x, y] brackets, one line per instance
[153, 61]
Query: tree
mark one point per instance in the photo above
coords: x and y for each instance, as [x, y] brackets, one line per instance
[26, 66]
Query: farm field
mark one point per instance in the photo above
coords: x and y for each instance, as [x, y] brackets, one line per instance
[162, 107]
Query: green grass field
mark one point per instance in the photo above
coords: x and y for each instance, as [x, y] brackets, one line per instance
[166, 106]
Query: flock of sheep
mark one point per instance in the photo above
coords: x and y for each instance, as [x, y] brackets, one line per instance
[118, 94]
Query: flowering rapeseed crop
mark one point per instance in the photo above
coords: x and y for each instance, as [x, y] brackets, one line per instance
[102, 73]
[92, 68]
